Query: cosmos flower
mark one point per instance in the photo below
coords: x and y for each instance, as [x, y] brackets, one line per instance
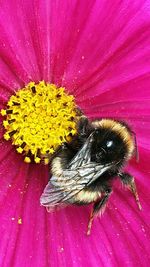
[99, 51]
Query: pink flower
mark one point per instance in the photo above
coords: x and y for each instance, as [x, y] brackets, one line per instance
[98, 50]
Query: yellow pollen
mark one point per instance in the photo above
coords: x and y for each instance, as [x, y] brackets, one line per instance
[19, 221]
[38, 119]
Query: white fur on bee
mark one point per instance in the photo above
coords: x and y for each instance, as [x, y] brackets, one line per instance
[57, 166]
[87, 196]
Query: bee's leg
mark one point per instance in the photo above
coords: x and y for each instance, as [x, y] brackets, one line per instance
[128, 181]
[98, 206]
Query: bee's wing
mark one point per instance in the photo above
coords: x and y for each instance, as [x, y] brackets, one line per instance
[80, 173]
[51, 195]
[64, 188]
[58, 187]
[83, 156]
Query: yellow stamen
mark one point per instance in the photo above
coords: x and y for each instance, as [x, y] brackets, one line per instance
[3, 112]
[38, 119]
[19, 149]
[27, 160]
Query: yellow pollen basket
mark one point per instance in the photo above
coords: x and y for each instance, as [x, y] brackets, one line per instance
[38, 119]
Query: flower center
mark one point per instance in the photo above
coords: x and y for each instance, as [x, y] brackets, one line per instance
[38, 119]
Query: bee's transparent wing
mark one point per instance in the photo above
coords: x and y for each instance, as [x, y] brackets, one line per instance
[62, 189]
[83, 156]
[79, 174]
[51, 195]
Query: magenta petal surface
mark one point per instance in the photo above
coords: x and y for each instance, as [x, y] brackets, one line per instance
[100, 51]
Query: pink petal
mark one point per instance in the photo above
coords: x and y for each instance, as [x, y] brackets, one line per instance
[98, 57]
[24, 46]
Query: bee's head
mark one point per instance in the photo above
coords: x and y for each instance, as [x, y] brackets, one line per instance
[112, 142]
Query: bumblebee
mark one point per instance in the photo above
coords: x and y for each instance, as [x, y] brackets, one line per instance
[83, 170]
